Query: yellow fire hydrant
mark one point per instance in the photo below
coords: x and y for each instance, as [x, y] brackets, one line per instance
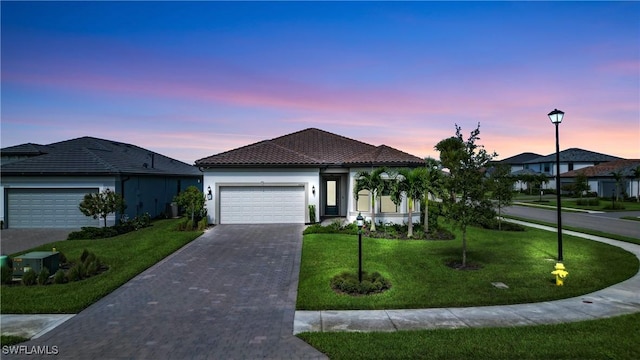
[560, 274]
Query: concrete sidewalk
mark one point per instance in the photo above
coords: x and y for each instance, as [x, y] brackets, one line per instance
[619, 299]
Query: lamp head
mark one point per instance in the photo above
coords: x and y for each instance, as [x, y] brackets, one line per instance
[360, 221]
[556, 116]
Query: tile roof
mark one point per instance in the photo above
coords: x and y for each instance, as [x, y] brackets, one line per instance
[26, 149]
[311, 147]
[520, 158]
[574, 155]
[625, 166]
[93, 156]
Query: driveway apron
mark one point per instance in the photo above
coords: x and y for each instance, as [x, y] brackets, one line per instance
[229, 294]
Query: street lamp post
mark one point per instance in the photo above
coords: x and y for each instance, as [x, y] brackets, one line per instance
[360, 223]
[556, 118]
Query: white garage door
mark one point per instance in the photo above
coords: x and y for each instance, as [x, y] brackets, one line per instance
[262, 204]
[47, 208]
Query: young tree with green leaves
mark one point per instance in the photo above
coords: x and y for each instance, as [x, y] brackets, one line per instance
[582, 183]
[465, 179]
[501, 183]
[412, 184]
[100, 205]
[375, 184]
[192, 200]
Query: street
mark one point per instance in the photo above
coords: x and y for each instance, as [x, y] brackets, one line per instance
[605, 222]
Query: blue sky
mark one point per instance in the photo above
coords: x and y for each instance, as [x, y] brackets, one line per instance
[189, 80]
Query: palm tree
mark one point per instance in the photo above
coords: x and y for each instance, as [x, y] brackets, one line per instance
[636, 175]
[433, 185]
[411, 183]
[451, 154]
[617, 176]
[373, 182]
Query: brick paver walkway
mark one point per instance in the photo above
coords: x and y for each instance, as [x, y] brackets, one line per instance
[229, 294]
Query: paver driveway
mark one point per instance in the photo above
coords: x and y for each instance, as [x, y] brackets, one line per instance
[230, 294]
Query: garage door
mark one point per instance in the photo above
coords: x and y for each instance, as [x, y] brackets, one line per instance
[262, 204]
[47, 208]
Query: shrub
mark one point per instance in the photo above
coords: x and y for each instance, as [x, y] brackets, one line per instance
[347, 282]
[312, 214]
[92, 267]
[7, 275]
[76, 273]
[91, 233]
[189, 225]
[88, 259]
[43, 276]
[182, 225]
[59, 277]
[138, 222]
[588, 202]
[61, 257]
[615, 206]
[202, 224]
[29, 278]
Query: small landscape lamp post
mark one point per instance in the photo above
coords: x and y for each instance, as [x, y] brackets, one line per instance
[556, 118]
[360, 223]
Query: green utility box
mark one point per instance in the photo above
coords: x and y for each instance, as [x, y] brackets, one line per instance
[36, 261]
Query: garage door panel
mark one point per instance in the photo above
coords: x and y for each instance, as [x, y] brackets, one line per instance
[262, 205]
[47, 208]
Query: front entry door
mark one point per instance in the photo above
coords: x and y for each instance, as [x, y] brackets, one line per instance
[331, 200]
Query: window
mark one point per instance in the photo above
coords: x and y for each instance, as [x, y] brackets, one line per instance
[386, 205]
[547, 167]
[363, 201]
[570, 166]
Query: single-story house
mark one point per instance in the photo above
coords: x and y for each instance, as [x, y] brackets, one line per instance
[601, 180]
[277, 180]
[41, 186]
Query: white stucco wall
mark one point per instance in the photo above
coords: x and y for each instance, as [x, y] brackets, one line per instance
[309, 178]
[55, 182]
[397, 218]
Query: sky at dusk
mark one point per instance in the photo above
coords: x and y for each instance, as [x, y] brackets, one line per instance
[189, 80]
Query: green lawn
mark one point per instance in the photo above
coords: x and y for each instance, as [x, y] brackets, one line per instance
[567, 202]
[126, 255]
[613, 338]
[420, 278]
[581, 230]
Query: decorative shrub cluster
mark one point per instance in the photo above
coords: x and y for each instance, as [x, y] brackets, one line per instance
[188, 225]
[616, 206]
[383, 231]
[88, 265]
[588, 202]
[126, 225]
[371, 283]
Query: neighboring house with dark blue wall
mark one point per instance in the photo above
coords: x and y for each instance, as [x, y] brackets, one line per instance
[41, 186]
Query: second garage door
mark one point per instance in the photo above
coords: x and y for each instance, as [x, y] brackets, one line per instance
[47, 208]
[262, 204]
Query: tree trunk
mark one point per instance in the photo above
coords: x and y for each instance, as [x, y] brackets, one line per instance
[410, 225]
[499, 217]
[464, 246]
[373, 211]
[426, 215]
